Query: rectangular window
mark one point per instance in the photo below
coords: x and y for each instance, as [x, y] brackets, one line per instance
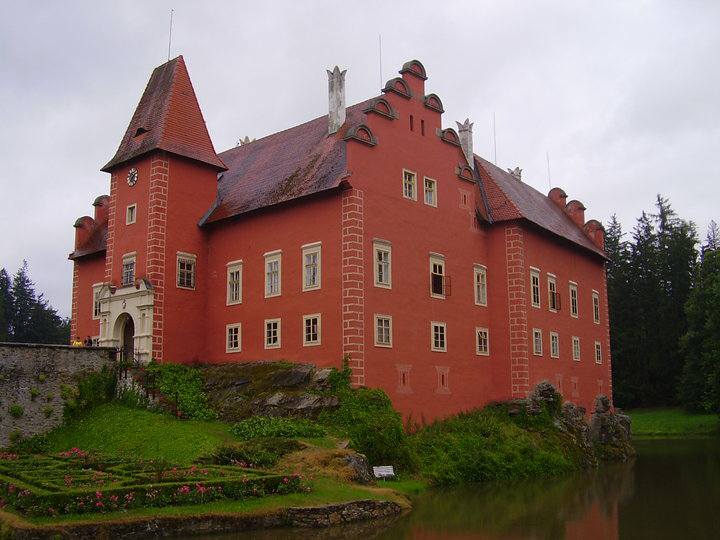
[234, 282]
[128, 270]
[573, 299]
[96, 301]
[311, 330]
[437, 276]
[480, 278]
[438, 336]
[383, 331]
[596, 307]
[311, 266]
[409, 185]
[186, 270]
[576, 348]
[273, 273]
[233, 340]
[443, 386]
[482, 341]
[382, 263]
[130, 214]
[575, 391]
[272, 333]
[537, 342]
[535, 287]
[404, 379]
[552, 293]
[598, 353]
[430, 192]
[554, 345]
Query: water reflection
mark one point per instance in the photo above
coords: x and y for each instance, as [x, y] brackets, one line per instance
[672, 490]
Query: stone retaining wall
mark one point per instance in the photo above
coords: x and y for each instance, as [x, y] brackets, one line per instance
[32, 378]
[169, 526]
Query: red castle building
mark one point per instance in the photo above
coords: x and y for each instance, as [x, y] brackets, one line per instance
[372, 233]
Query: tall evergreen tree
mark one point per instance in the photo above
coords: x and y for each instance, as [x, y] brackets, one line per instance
[700, 383]
[5, 305]
[712, 239]
[23, 294]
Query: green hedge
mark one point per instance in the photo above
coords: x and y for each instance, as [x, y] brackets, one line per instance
[182, 386]
[272, 426]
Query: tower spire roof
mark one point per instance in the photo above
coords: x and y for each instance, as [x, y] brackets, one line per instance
[168, 118]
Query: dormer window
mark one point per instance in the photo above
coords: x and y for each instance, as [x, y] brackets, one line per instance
[140, 131]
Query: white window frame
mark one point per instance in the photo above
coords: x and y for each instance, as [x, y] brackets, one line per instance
[306, 318]
[414, 185]
[554, 345]
[270, 257]
[131, 214]
[96, 303]
[478, 350]
[437, 258]
[277, 322]
[596, 306]
[232, 267]
[309, 249]
[385, 247]
[574, 306]
[537, 344]
[535, 287]
[126, 259]
[480, 270]
[442, 325]
[377, 317]
[434, 191]
[576, 348]
[598, 352]
[552, 289]
[233, 326]
[187, 257]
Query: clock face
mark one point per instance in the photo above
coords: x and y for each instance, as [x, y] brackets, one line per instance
[132, 177]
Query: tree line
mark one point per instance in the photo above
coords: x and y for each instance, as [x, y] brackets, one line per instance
[25, 316]
[664, 296]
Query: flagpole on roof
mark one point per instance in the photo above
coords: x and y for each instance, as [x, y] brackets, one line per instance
[380, 58]
[494, 141]
[547, 156]
[170, 36]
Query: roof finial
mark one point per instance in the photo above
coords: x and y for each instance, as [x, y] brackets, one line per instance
[336, 99]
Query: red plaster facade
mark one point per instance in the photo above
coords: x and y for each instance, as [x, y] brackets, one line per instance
[282, 237]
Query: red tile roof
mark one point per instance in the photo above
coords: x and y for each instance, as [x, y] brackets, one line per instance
[168, 118]
[288, 165]
[510, 198]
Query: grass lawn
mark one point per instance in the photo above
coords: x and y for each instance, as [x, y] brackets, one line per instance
[118, 431]
[673, 423]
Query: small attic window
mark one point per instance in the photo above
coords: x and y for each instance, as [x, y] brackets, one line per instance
[140, 131]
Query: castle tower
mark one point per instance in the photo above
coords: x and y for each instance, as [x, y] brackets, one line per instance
[163, 179]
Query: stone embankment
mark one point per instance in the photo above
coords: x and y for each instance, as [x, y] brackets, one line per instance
[173, 526]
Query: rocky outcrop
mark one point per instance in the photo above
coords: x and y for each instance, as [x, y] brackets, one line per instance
[572, 420]
[237, 391]
[610, 432]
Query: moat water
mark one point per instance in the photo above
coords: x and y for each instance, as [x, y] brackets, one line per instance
[671, 491]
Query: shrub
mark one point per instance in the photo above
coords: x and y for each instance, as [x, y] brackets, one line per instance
[34, 393]
[49, 397]
[92, 390]
[15, 410]
[263, 452]
[41, 378]
[47, 411]
[182, 386]
[34, 445]
[131, 397]
[367, 417]
[272, 426]
[15, 437]
[487, 444]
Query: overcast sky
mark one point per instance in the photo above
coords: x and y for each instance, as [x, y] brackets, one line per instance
[625, 96]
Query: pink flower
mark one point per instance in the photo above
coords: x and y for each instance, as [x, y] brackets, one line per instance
[99, 504]
[98, 495]
[114, 498]
[184, 489]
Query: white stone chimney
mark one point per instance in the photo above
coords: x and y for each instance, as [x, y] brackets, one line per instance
[466, 141]
[336, 99]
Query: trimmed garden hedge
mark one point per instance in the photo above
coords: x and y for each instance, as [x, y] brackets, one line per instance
[66, 484]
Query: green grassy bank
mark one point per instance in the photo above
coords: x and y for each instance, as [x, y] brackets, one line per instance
[673, 423]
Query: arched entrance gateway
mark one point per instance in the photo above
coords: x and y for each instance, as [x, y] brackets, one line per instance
[128, 339]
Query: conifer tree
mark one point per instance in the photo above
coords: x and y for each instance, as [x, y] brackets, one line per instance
[23, 294]
[5, 305]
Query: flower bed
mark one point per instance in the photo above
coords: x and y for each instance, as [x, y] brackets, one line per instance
[75, 483]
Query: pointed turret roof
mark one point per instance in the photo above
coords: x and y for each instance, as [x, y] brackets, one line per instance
[168, 118]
